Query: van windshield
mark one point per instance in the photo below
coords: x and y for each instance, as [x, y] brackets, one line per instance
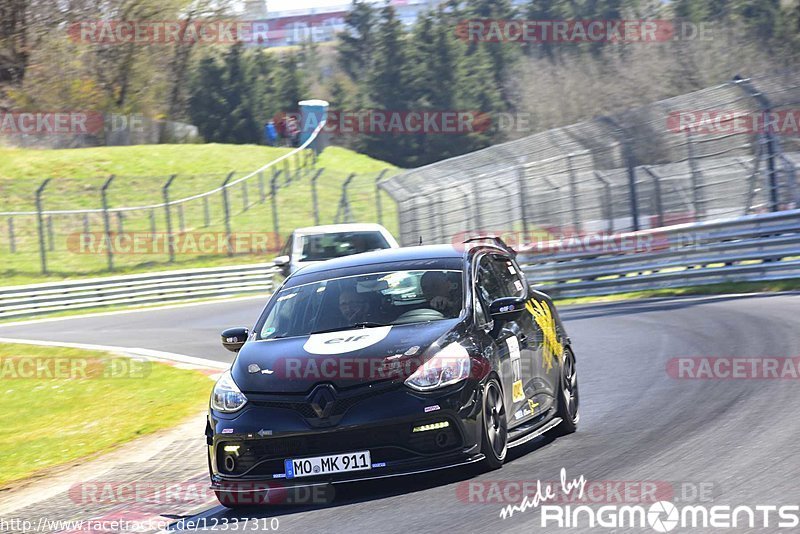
[320, 247]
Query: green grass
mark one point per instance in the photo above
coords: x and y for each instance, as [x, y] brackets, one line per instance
[58, 420]
[710, 289]
[140, 174]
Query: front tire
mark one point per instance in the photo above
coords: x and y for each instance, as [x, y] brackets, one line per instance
[494, 442]
[568, 398]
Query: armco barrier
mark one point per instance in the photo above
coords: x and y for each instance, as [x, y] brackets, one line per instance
[140, 289]
[749, 248]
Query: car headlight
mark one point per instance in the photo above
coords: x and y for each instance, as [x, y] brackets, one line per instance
[227, 397]
[448, 366]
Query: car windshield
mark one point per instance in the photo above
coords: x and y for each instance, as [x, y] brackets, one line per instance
[319, 247]
[364, 301]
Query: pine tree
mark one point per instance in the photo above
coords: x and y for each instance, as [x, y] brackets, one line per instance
[291, 87]
[262, 74]
[206, 105]
[356, 42]
[387, 87]
[239, 124]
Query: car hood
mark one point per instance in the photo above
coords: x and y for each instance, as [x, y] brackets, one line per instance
[345, 358]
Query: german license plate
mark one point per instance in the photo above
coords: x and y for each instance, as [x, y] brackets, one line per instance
[326, 465]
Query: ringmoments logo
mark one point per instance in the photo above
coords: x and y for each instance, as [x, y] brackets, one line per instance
[661, 516]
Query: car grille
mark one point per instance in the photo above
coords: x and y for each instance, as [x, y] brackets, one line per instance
[301, 404]
[386, 444]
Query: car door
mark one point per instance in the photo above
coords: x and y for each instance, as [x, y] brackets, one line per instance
[509, 336]
[530, 396]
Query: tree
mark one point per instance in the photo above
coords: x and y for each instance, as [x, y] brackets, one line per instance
[291, 87]
[355, 45]
[207, 109]
[388, 86]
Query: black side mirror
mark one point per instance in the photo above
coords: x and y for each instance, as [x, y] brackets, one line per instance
[234, 338]
[507, 307]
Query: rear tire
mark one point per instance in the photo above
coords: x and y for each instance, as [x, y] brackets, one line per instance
[494, 441]
[568, 398]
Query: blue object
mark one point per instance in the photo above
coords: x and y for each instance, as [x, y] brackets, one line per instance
[312, 112]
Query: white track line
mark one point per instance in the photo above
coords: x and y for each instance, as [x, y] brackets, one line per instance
[128, 351]
[263, 298]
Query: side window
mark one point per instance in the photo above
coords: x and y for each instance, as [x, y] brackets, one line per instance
[489, 286]
[511, 283]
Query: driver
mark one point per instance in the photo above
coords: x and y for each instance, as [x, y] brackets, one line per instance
[439, 293]
[354, 306]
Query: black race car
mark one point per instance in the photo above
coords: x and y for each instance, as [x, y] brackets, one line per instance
[389, 363]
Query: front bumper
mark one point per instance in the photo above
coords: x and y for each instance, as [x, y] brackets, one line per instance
[379, 418]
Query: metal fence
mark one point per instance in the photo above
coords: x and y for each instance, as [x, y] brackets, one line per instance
[634, 170]
[179, 218]
[140, 289]
[749, 248]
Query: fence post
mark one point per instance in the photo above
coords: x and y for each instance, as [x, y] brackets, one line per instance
[477, 206]
[523, 202]
[106, 222]
[314, 200]
[245, 200]
[12, 245]
[630, 163]
[262, 195]
[343, 213]
[86, 224]
[573, 193]
[170, 240]
[608, 205]
[697, 178]
[40, 220]
[274, 190]
[791, 180]
[769, 139]
[657, 193]
[51, 242]
[378, 205]
[227, 213]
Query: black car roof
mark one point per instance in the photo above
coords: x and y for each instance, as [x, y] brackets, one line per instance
[427, 256]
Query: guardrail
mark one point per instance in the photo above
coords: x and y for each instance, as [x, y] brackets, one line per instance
[139, 289]
[749, 248]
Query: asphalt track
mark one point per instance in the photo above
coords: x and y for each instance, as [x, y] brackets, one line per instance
[735, 439]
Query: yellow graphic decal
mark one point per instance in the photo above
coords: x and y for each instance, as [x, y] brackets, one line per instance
[532, 405]
[544, 318]
[517, 393]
